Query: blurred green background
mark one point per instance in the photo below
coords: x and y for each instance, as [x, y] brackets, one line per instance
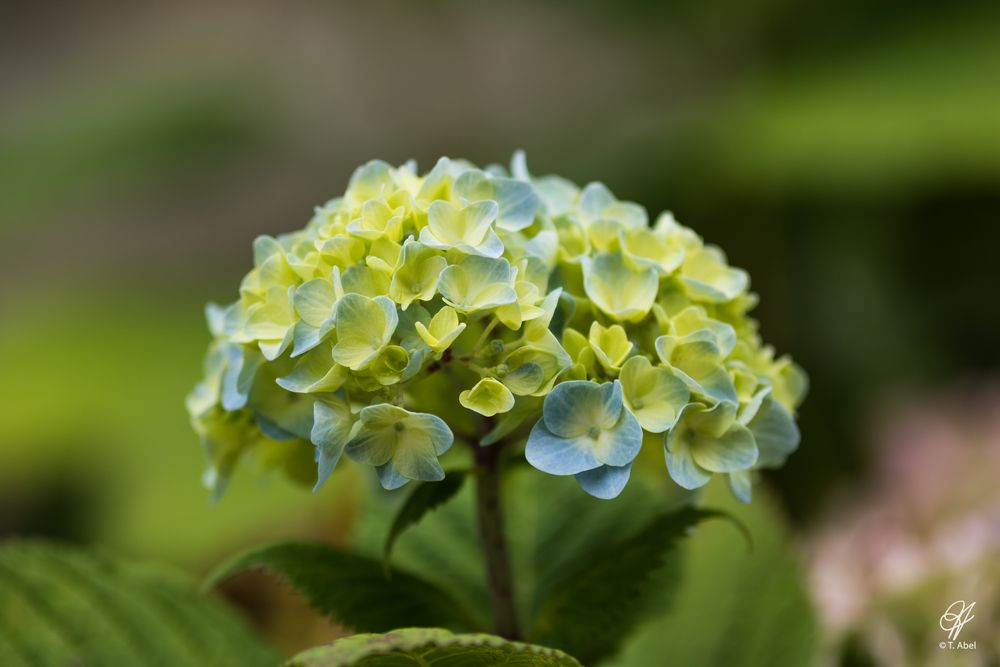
[846, 154]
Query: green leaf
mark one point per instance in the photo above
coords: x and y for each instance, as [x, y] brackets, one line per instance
[356, 590]
[732, 607]
[425, 498]
[63, 606]
[594, 606]
[544, 544]
[424, 647]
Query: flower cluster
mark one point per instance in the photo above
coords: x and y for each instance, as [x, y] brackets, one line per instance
[493, 306]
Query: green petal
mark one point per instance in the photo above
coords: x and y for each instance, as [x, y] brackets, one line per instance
[533, 369]
[314, 301]
[377, 221]
[364, 327]
[644, 247]
[693, 321]
[437, 184]
[342, 251]
[574, 342]
[622, 292]
[522, 310]
[733, 450]
[371, 180]
[468, 229]
[791, 384]
[516, 200]
[555, 304]
[488, 397]
[478, 218]
[709, 421]
[707, 277]
[696, 359]
[265, 247]
[362, 279]
[610, 344]
[478, 283]
[271, 318]
[390, 364]
[272, 349]
[574, 243]
[597, 203]
[654, 395]
[525, 379]
[383, 255]
[315, 372]
[604, 235]
[444, 328]
[417, 276]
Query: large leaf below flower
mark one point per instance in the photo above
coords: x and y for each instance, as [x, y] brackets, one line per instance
[592, 609]
[445, 547]
[732, 607]
[423, 499]
[427, 647]
[357, 591]
[61, 606]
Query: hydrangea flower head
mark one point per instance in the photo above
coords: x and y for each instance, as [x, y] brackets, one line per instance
[492, 307]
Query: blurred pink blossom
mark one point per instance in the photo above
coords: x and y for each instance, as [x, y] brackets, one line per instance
[921, 531]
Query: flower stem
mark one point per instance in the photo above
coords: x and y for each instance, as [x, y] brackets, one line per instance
[489, 512]
[486, 332]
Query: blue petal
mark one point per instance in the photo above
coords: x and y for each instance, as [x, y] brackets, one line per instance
[605, 482]
[272, 430]
[557, 456]
[436, 429]
[682, 467]
[330, 433]
[241, 369]
[571, 408]
[304, 338]
[327, 456]
[775, 432]
[389, 477]
[627, 439]
[741, 484]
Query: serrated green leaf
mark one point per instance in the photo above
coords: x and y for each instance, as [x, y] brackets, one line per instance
[427, 647]
[425, 498]
[544, 545]
[732, 607]
[62, 606]
[591, 610]
[356, 590]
